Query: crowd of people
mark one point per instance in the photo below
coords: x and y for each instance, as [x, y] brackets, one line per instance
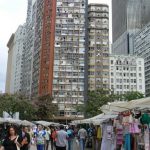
[45, 138]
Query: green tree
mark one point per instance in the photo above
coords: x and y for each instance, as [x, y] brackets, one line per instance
[96, 99]
[100, 97]
[45, 108]
[132, 95]
[16, 103]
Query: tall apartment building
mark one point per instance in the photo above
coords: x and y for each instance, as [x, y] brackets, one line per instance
[26, 85]
[141, 48]
[59, 52]
[14, 65]
[98, 53]
[129, 16]
[126, 74]
[63, 52]
[55, 52]
[10, 45]
[38, 8]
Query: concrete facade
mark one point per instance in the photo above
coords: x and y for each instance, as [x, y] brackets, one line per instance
[141, 48]
[29, 49]
[129, 16]
[10, 45]
[98, 53]
[14, 67]
[126, 74]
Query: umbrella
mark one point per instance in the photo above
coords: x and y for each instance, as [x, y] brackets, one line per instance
[46, 124]
[1, 120]
[27, 123]
[12, 121]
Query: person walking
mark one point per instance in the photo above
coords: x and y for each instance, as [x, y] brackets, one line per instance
[70, 133]
[62, 136]
[12, 140]
[82, 134]
[40, 138]
[47, 137]
[53, 138]
[26, 139]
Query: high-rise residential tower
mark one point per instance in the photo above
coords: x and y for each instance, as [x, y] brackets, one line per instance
[55, 52]
[28, 50]
[59, 65]
[129, 16]
[10, 45]
[66, 64]
[14, 65]
[98, 53]
[37, 9]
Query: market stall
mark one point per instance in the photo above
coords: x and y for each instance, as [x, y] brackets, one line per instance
[122, 125]
[130, 130]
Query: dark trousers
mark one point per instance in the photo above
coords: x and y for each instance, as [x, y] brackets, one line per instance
[47, 145]
[60, 148]
[52, 145]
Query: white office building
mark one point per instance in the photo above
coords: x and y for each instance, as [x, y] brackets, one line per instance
[14, 66]
[126, 74]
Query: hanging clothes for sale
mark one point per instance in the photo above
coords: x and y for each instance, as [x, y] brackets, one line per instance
[107, 137]
[99, 133]
[119, 135]
[146, 138]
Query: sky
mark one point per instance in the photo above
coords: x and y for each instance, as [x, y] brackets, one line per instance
[13, 14]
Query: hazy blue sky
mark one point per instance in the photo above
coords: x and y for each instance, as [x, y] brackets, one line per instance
[12, 14]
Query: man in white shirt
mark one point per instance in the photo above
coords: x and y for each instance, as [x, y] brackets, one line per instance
[47, 137]
[62, 137]
[82, 133]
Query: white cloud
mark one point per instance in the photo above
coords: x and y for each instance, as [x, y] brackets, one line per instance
[12, 14]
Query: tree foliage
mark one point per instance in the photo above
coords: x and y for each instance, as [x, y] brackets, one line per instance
[100, 97]
[132, 95]
[45, 108]
[16, 103]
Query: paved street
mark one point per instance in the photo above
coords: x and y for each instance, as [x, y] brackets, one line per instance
[75, 147]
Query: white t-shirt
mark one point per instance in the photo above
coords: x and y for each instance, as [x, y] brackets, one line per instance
[82, 133]
[47, 136]
[61, 138]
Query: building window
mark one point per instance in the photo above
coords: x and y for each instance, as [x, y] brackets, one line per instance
[112, 61]
[140, 87]
[112, 80]
[140, 80]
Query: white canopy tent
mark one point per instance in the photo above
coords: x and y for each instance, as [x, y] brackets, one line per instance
[97, 119]
[117, 107]
[12, 121]
[46, 124]
[1, 120]
[27, 123]
[111, 110]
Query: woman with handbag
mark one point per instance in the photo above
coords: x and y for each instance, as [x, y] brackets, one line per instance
[12, 140]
